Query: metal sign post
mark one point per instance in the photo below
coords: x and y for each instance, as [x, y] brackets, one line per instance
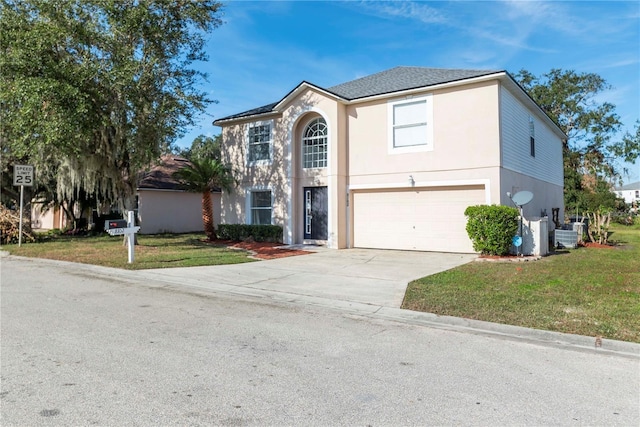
[22, 176]
[126, 227]
[132, 236]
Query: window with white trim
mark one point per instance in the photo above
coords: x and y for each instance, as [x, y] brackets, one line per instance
[259, 145]
[314, 144]
[410, 125]
[261, 207]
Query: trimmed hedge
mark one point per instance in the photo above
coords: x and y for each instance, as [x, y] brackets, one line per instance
[241, 232]
[491, 228]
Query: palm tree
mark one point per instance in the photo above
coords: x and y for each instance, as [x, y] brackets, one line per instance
[202, 175]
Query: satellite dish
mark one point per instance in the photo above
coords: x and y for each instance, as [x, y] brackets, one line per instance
[521, 198]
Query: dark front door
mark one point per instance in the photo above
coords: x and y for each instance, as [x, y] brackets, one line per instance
[315, 213]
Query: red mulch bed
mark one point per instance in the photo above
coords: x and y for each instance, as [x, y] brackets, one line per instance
[596, 245]
[262, 250]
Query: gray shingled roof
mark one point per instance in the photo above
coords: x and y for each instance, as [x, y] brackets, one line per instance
[630, 186]
[402, 78]
[385, 82]
[160, 176]
[260, 110]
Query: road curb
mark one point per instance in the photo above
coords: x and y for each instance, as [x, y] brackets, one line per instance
[556, 339]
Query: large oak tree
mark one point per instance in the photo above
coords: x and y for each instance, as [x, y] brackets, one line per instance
[593, 151]
[92, 91]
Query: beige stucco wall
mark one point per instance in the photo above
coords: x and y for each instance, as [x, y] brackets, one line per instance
[47, 219]
[283, 175]
[466, 138]
[162, 211]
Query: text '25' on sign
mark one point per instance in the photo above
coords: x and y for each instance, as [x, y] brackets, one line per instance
[23, 175]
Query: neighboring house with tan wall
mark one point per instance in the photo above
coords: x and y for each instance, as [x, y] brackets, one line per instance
[164, 208]
[47, 217]
[391, 160]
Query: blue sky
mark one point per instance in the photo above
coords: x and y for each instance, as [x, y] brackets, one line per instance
[265, 48]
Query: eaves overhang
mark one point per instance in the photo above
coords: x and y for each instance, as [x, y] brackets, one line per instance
[277, 107]
[303, 86]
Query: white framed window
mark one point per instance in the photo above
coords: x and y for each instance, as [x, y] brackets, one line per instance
[410, 124]
[314, 144]
[259, 142]
[260, 207]
[532, 137]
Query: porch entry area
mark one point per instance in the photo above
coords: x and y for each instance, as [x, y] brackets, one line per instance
[315, 221]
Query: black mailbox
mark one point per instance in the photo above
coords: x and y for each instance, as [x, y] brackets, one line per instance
[115, 223]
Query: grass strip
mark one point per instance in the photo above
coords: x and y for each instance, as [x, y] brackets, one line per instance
[152, 251]
[586, 291]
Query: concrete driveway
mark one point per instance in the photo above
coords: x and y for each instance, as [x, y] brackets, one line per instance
[367, 276]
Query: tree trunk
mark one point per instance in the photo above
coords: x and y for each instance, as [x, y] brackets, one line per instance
[599, 227]
[207, 215]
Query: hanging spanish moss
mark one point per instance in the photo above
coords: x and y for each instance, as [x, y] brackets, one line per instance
[93, 92]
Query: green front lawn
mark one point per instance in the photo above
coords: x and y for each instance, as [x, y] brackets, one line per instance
[586, 291]
[152, 251]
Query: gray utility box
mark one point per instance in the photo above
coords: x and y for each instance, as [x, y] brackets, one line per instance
[565, 238]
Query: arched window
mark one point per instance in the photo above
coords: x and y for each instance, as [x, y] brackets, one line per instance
[314, 144]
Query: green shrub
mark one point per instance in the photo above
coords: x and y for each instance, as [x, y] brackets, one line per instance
[622, 218]
[259, 233]
[491, 228]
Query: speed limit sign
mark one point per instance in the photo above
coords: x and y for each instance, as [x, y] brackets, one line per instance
[23, 175]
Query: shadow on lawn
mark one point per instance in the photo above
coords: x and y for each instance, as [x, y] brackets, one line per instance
[558, 251]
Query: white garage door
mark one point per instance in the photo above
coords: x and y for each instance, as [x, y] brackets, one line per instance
[419, 219]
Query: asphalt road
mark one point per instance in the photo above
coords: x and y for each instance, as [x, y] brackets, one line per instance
[81, 348]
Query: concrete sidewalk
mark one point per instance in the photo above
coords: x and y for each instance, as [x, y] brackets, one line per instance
[377, 277]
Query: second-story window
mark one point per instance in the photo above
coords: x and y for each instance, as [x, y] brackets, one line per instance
[314, 144]
[410, 127]
[259, 147]
[532, 137]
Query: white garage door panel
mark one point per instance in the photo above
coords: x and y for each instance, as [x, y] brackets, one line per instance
[425, 220]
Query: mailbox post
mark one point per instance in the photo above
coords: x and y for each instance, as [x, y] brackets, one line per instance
[126, 227]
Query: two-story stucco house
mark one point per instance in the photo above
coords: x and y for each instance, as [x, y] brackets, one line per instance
[391, 160]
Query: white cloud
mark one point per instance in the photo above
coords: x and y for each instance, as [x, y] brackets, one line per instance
[404, 9]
